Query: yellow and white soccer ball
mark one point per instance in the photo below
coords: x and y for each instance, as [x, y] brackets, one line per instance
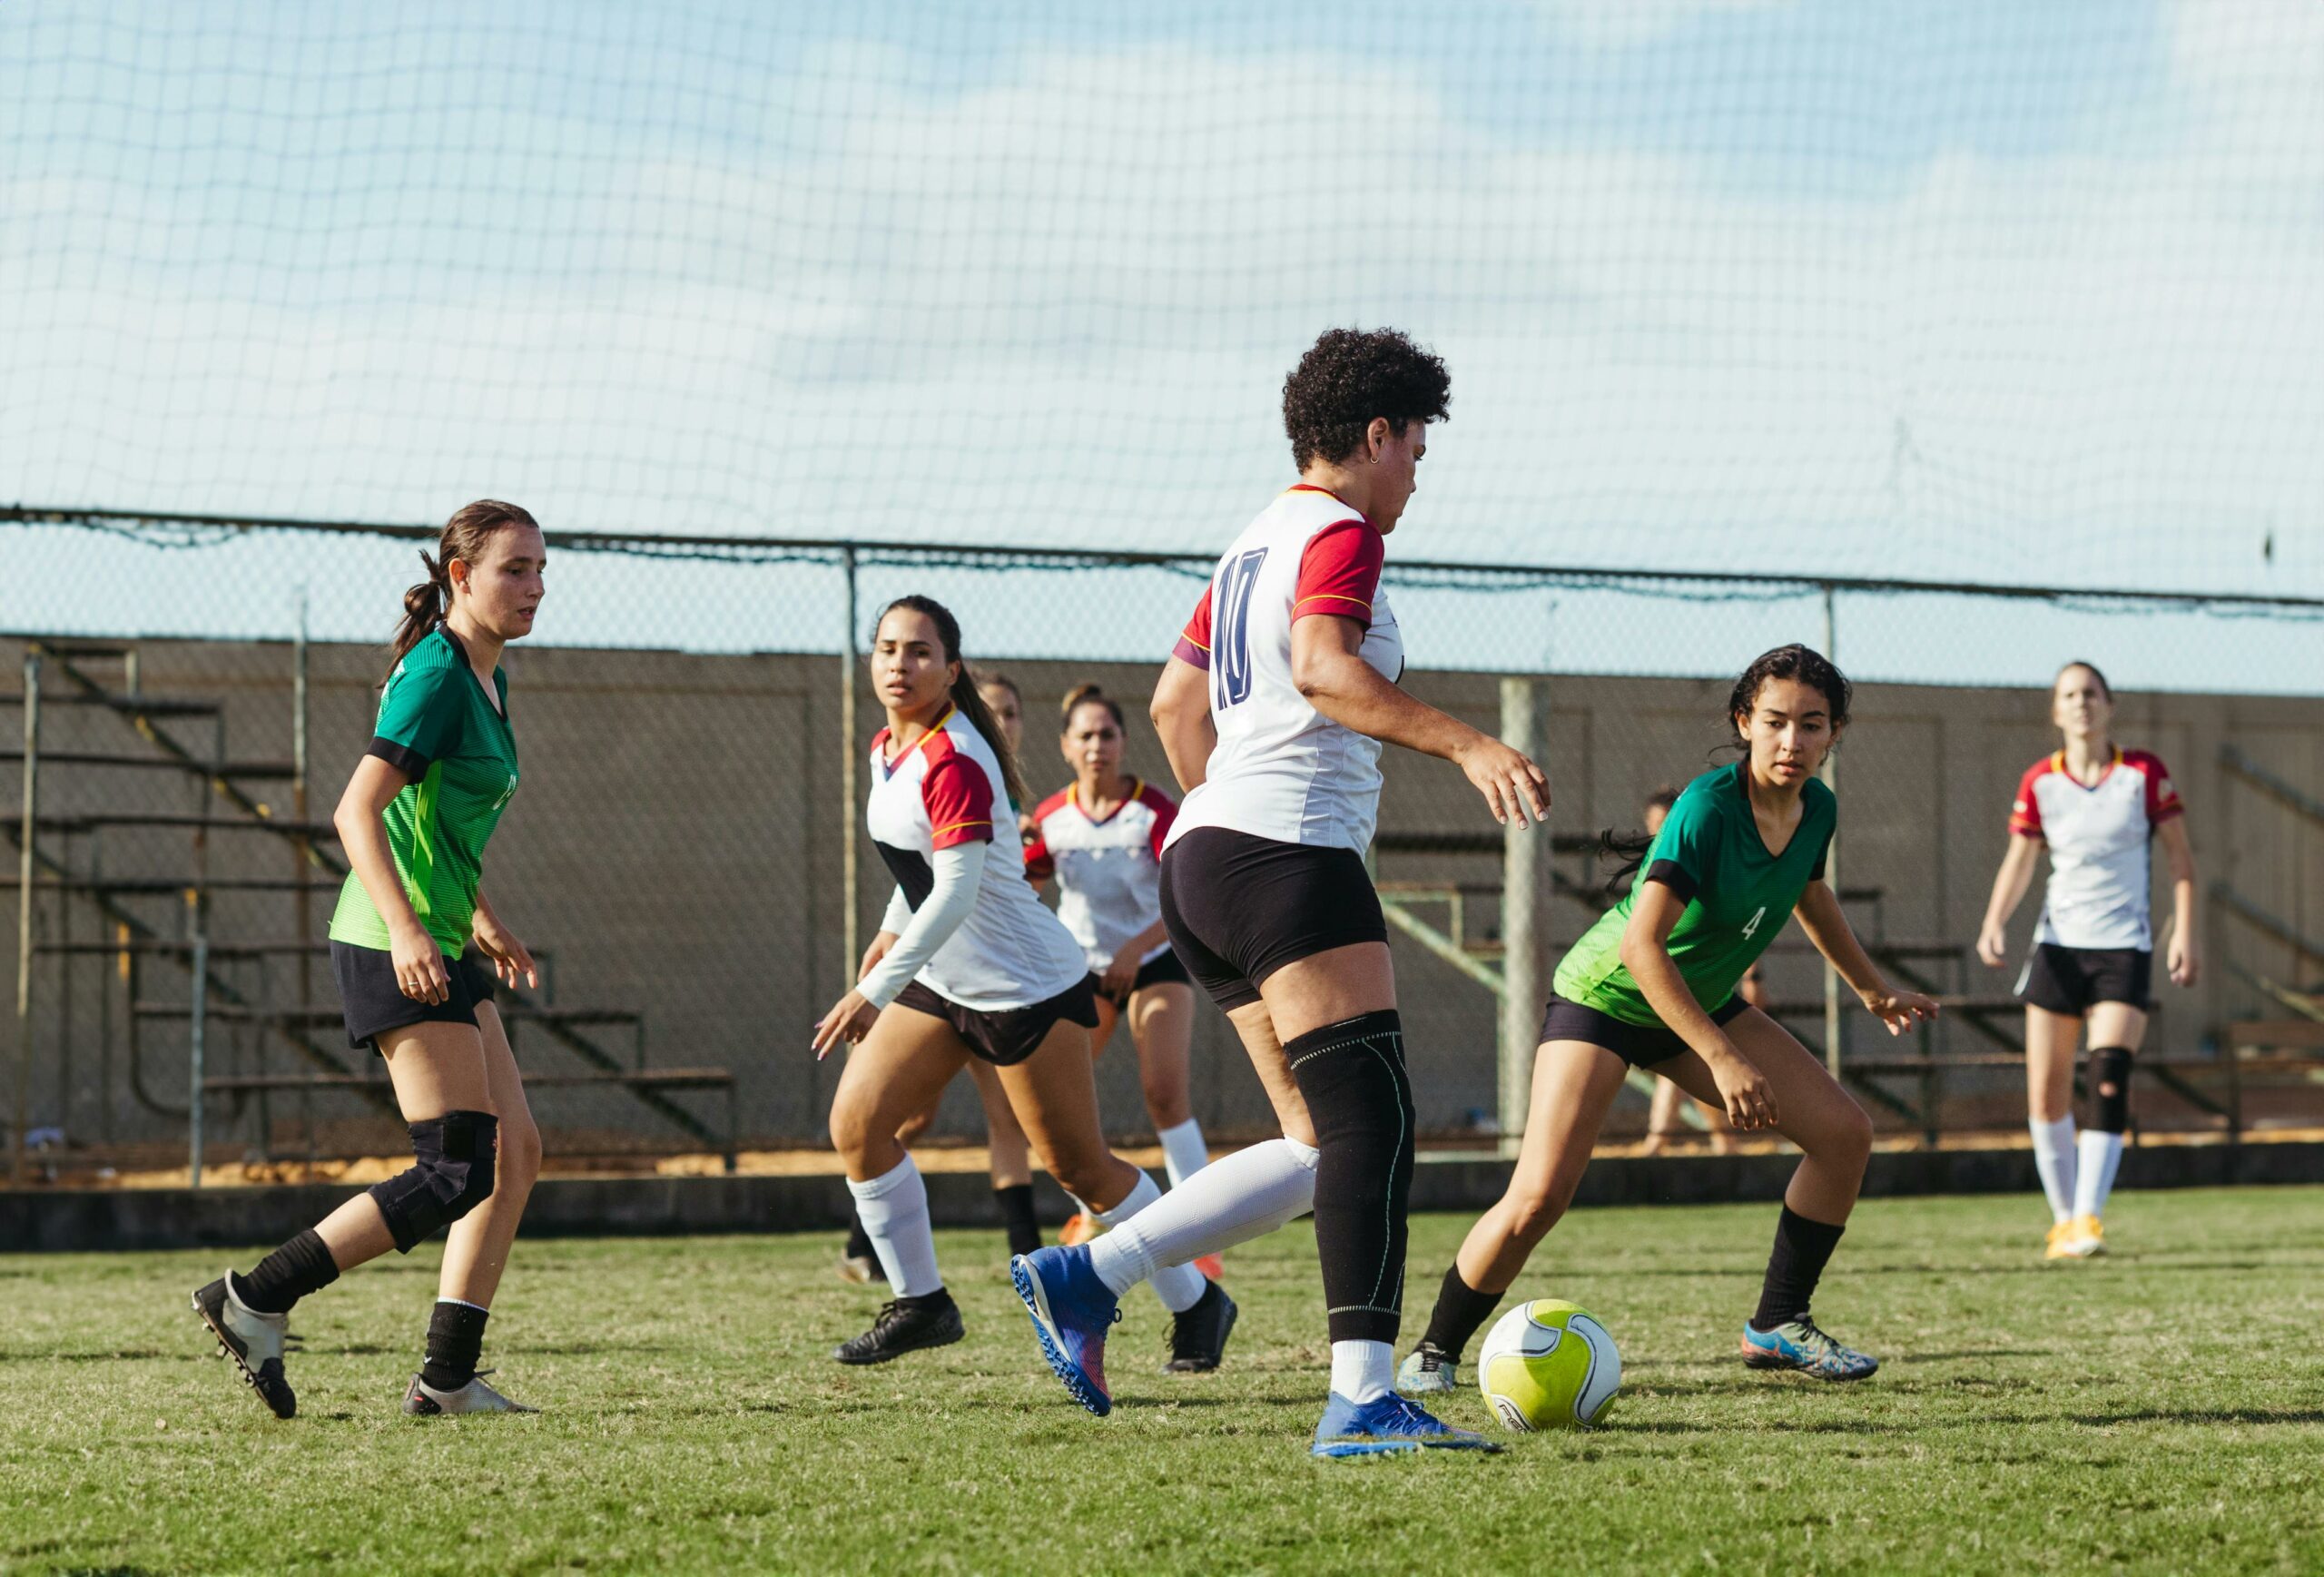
[1548, 1364]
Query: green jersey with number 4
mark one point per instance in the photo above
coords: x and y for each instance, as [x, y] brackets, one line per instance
[436, 728]
[1709, 853]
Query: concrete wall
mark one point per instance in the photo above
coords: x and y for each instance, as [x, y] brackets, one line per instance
[677, 844]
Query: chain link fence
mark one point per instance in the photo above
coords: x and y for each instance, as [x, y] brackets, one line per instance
[680, 850]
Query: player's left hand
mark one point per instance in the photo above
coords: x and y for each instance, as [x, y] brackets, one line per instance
[1119, 976]
[1900, 1010]
[511, 958]
[850, 1019]
[2184, 961]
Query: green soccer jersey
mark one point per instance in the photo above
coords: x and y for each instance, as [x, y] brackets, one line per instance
[1709, 853]
[436, 728]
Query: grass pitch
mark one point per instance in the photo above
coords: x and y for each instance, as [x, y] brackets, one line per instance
[2160, 1410]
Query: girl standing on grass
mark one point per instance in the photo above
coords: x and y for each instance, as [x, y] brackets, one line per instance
[1652, 985]
[414, 820]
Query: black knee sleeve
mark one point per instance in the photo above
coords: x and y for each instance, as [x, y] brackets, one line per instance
[450, 1175]
[1351, 1075]
[2109, 1089]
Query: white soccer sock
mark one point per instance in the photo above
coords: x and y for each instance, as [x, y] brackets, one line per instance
[893, 1208]
[1183, 1152]
[1232, 1200]
[2102, 1153]
[1179, 1286]
[2054, 1159]
[1362, 1371]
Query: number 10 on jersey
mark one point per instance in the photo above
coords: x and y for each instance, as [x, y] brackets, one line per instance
[1231, 660]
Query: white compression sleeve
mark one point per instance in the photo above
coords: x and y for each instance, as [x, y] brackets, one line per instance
[1232, 1200]
[959, 869]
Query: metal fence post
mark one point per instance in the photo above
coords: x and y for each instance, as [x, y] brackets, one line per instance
[18, 1158]
[1526, 890]
[849, 789]
[197, 1032]
[1831, 775]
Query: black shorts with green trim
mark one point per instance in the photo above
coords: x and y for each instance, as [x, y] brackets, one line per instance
[1639, 1045]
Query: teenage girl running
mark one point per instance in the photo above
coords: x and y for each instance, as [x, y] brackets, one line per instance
[1010, 1158]
[1273, 709]
[1101, 837]
[2099, 808]
[414, 820]
[969, 966]
[1662, 1116]
[1652, 985]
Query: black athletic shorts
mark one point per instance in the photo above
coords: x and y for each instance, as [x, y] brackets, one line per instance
[1239, 907]
[1162, 970]
[2074, 980]
[372, 1001]
[1639, 1045]
[1010, 1035]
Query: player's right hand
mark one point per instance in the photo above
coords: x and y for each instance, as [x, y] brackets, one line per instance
[1750, 1098]
[1512, 785]
[1992, 946]
[419, 966]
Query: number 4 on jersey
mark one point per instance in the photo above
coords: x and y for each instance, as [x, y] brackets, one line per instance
[1231, 659]
[1752, 925]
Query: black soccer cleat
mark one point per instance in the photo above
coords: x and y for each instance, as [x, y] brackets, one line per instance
[1199, 1336]
[255, 1341]
[905, 1326]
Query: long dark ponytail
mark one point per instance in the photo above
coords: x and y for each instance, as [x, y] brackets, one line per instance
[464, 536]
[964, 694]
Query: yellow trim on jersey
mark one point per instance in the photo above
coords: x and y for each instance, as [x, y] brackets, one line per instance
[956, 826]
[1330, 597]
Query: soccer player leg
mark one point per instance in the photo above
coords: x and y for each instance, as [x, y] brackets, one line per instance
[1013, 1165]
[1574, 1087]
[2050, 1040]
[900, 1068]
[1834, 1139]
[2116, 1031]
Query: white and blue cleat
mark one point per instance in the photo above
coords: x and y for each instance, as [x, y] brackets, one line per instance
[1389, 1427]
[1800, 1345]
[1072, 1310]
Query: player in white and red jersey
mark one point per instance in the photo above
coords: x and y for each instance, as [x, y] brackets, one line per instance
[1100, 839]
[2099, 808]
[1273, 710]
[967, 965]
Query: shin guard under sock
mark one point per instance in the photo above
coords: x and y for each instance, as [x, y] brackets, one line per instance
[1352, 1077]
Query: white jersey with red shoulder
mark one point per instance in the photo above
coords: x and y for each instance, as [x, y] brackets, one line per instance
[1010, 953]
[2101, 870]
[1281, 769]
[1108, 870]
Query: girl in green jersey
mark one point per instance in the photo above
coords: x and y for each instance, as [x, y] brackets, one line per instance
[440, 768]
[1653, 985]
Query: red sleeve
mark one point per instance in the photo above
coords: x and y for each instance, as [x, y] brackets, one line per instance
[1166, 811]
[2025, 813]
[1339, 572]
[959, 797]
[1193, 641]
[1040, 864]
[2162, 801]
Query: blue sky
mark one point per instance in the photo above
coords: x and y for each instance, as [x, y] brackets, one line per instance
[1977, 291]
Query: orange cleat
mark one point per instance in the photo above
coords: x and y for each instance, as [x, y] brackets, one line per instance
[1078, 1230]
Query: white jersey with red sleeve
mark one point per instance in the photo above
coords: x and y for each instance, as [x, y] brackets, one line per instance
[2101, 867]
[1281, 769]
[1010, 953]
[1109, 872]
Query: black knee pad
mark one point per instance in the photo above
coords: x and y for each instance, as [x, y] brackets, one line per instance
[2109, 1089]
[450, 1175]
[1351, 1075]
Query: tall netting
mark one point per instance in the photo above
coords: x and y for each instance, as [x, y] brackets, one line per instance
[1983, 291]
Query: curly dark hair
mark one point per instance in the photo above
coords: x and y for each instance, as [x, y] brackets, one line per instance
[1808, 666]
[1348, 377]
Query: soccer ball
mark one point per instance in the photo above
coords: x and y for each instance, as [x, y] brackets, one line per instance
[1546, 1364]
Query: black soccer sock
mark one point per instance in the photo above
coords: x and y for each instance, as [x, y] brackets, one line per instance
[1461, 1309]
[1351, 1075]
[300, 1266]
[1016, 1202]
[1796, 1263]
[455, 1342]
[858, 1241]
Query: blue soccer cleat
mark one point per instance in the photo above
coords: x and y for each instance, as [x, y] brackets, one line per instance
[1071, 1310]
[1800, 1345]
[1384, 1428]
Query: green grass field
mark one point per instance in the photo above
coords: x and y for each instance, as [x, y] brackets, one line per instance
[2162, 1410]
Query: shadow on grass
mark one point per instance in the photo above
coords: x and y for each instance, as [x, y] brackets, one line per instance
[2203, 1416]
